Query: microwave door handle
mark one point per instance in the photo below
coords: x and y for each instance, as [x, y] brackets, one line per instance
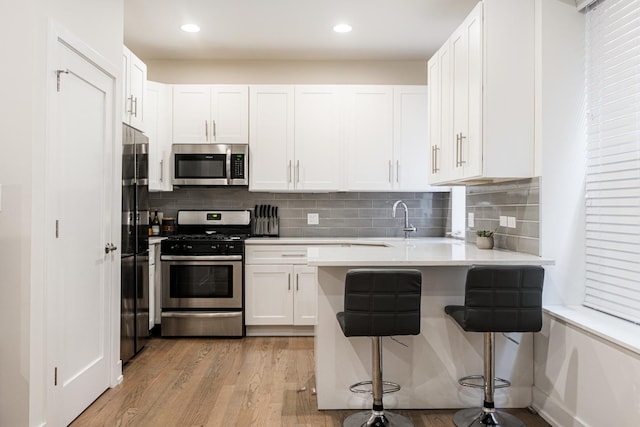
[228, 166]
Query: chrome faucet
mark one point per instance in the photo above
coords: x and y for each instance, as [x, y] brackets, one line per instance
[407, 227]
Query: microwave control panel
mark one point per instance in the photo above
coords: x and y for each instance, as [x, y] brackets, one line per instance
[237, 166]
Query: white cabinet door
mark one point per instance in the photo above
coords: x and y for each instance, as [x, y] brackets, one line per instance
[440, 133]
[466, 54]
[229, 114]
[269, 294]
[133, 89]
[210, 113]
[411, 139]
[191, 114]
[305, 309]
[317, 138]
[152, 288]
[369, 138]
[271, 143]
[157, 119]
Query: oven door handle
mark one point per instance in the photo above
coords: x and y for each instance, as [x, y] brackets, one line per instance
[201, 314]
[201, 258]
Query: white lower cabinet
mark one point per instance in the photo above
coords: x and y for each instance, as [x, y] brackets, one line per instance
[280, 289]
[280, 295]
[155, 284]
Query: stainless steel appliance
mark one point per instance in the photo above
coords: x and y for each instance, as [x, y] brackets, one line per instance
[202, 274]
[210, 164]
[134, 320]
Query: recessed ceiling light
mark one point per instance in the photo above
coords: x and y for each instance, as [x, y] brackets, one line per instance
[342, 28]
[190, 28]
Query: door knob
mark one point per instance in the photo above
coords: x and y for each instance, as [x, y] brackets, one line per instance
[109, 247]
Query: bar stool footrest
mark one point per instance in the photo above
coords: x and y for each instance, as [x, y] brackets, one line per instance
[479, 382]
[390, 387]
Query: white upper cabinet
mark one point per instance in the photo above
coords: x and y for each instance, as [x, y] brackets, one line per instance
[271, 148]
[210, 113]
[368, 120]
[484, 128]
[410, 139]
[157, 118]
[317, 138]
[294, 143]
[134, 73]
[339, 138]
[439, 122]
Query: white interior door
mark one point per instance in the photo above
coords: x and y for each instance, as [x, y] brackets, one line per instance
[79, 203]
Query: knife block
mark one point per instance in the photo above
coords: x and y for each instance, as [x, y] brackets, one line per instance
[265, 225]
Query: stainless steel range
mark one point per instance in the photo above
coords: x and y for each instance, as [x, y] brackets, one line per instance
[202, 274]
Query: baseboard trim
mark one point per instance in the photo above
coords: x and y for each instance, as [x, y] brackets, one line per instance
[553, 411]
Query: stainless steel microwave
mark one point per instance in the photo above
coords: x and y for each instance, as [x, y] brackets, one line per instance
[210, 164]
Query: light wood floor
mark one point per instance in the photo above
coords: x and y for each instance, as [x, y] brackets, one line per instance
[229, 382]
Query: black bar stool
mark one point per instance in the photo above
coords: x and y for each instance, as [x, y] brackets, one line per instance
[380, 303]
[497, 299]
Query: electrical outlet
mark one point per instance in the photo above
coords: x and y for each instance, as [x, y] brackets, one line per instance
[511, 221]
[313, 219]
[503, 221]
[471, 220]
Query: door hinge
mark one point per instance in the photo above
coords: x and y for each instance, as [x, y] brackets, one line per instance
[55, 376]
[58, 72]
[57, 228]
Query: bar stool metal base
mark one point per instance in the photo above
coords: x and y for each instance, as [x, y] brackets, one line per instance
[477, 417]
[377, 419]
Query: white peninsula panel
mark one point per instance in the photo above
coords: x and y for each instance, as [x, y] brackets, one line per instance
[428, 365]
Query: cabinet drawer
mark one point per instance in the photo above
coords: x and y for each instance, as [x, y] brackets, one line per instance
[276, 254]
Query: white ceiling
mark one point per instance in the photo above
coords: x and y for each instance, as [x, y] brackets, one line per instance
[291, 29]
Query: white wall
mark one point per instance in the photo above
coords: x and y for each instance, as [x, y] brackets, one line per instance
[579, 380]
[24, 32]
[288, 72]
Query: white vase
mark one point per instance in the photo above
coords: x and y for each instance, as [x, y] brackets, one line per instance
[484, 242]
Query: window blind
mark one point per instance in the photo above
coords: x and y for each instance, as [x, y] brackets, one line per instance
[612, 182]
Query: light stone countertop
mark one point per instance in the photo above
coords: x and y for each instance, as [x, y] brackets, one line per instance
[154, 240]
[399, 252]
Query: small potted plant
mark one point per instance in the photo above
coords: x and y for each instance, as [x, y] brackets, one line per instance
[484, 239]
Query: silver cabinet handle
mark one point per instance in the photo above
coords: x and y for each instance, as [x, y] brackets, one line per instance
[135, 110]
[162, 170]
[289, 281]
[130, 109]
[390, 170]
[289, 179]
[462, 161]
[398, 171]
[298, 172]
[109, 247]
[297, 282]
[433, 159]
[213, 125]
[206, 130]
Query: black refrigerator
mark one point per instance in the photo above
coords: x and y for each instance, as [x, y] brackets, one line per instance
[134, 307]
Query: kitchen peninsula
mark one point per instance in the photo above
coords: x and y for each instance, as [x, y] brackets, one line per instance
[428, 365]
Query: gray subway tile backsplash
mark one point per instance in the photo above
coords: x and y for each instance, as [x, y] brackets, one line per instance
[356, 214]
[352, 214]
[519, 199]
